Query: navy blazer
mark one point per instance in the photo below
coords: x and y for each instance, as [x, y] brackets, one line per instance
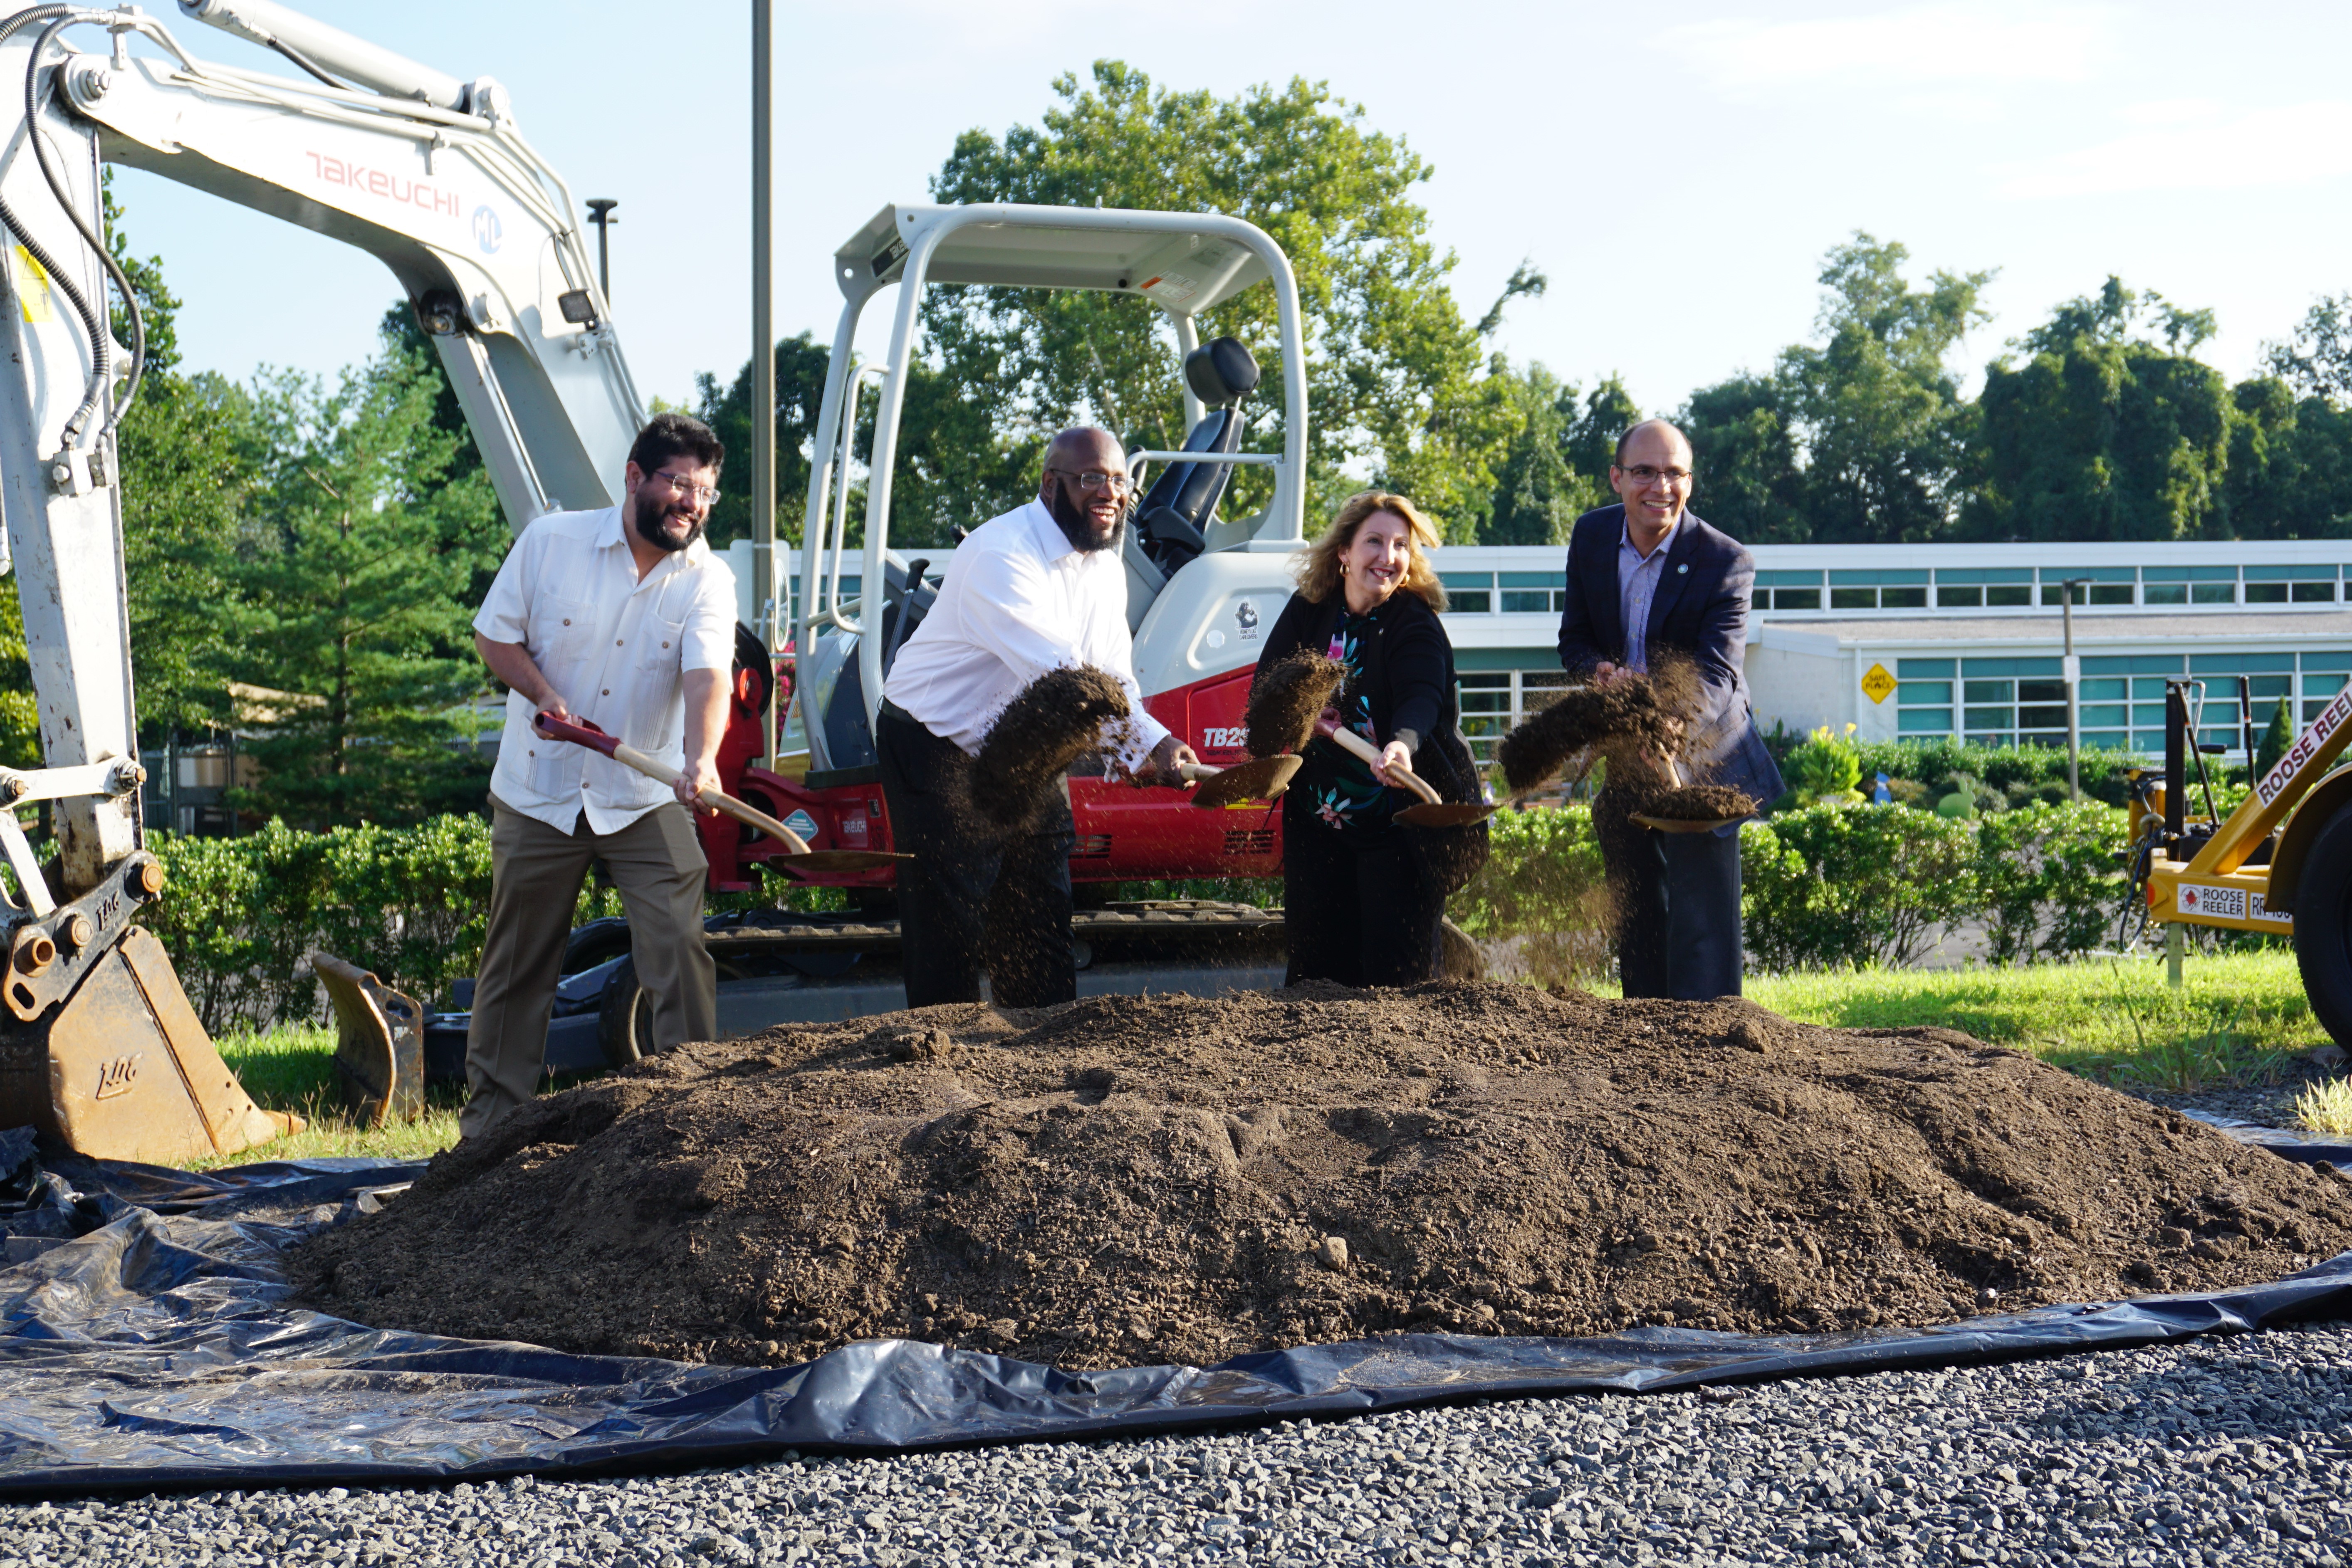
[1700, 611]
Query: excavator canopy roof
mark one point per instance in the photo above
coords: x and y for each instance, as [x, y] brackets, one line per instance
[1184, 262]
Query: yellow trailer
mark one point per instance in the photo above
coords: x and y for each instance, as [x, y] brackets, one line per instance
[2280, 863]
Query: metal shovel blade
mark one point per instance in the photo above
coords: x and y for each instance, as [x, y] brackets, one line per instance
[1683, 824]
[1260, 778]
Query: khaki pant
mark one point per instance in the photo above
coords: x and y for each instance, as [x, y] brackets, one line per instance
[535, 876]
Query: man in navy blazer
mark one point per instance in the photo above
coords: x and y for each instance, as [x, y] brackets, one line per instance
[1645, 577]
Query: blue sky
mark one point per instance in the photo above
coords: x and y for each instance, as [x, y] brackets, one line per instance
[1677, 173]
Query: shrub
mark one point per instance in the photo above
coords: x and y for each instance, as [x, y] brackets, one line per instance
[1826, 767]
[2049, 877]
[1831, 885]
[1542, 883]
[239, 916]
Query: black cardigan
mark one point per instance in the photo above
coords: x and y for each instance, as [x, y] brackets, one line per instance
[1408, 680]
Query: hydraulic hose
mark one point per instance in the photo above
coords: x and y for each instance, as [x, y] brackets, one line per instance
[100, 339]
[102, 350]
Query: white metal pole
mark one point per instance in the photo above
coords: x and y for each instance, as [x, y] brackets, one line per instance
[763, 353]
[2073, 673]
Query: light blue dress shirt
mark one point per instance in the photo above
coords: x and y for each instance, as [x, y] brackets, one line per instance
[1637, 586]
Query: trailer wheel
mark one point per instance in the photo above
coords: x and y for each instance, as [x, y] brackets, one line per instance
[624, 1018]
[2323, 926]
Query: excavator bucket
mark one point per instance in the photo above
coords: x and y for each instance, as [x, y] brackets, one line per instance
[379, 1047]
[100, 1051]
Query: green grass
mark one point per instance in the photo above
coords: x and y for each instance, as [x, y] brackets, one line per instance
[2326, 1107]
[294, 1070]
[2236, 1018]
[2235, 1021]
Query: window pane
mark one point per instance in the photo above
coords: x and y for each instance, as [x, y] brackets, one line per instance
[1902, 598]
[2164, 593]
[2271, 686]
[2055, 593]
[2041, 691]
[2017, 595]
[2149, 742]
[1925, 721]
[2313, 683]
[2105, 713]
[1521, 601]
[1922, 691]
[2312, 711]
[2042, 718]
[2266, 592]
[2104, 690]
[2213, 593]
[2314, 593]
[1984, 718]
[1468, 601]
[2111, 740]
[2148, 689]
[1990, 738]
[2111, 593]
[1959, 598]
[1990, 690]
[2147, 713]
[1853, 598]
[1796, 598]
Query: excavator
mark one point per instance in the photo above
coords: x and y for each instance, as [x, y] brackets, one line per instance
[99, 1051]
[431, 173]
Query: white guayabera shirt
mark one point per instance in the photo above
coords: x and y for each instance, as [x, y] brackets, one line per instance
[616, 648]
[1019, 599]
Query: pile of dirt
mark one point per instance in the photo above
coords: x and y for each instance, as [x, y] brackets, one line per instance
[1284, 699]
[1130, 1179]
[1052, 722]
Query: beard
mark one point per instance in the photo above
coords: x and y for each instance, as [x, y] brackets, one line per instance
[647, 515]
[1078, 525]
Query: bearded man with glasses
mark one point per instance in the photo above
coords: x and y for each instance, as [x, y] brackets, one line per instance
[626, 617]
[1035, 589]
[1648, 580]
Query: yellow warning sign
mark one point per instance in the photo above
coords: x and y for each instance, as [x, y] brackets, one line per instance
[32, 286]
[1877, 685]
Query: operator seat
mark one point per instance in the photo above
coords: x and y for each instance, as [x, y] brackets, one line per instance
[1173, 518]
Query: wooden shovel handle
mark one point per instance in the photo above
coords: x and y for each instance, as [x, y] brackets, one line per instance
[1195, 771]
[583, 732]
[1352, 742]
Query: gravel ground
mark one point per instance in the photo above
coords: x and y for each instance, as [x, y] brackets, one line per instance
[2221, 1450]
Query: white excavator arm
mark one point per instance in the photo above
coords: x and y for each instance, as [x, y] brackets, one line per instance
[424, 171]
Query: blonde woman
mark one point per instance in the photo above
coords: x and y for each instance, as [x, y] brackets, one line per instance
[1363, 896]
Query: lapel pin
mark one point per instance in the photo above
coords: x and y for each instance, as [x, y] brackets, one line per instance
[1683, 567]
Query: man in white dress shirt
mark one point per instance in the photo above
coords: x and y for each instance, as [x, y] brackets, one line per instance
[1035, 589]
[626, 617]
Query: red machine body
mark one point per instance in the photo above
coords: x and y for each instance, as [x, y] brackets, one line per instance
[1125, 833]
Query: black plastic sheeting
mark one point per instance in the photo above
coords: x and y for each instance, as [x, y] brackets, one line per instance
[146, 1341]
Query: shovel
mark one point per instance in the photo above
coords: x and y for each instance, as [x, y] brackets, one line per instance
[1260, 778]
[1434, 811]
[803, 862]
[1681, 823]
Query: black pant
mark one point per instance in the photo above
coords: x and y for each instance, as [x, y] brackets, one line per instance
[1359, 915]
[1680, 936]
[975, 897]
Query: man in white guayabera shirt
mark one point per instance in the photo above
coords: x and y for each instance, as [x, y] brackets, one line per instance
[1036, 589]
[626, 617]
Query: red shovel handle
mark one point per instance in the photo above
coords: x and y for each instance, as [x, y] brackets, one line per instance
[580, 732]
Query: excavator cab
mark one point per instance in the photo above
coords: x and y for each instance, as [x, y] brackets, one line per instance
[1173, 519]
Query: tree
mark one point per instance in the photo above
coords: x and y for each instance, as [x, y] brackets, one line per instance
[1861, 437]
[2104, 433]
[1744, 442]
[2289, 465]
[800, 391]
[1393, 371]
[1555, 466]
[185, 481]
[2276, 737]
[352, 587]
[2316, 359]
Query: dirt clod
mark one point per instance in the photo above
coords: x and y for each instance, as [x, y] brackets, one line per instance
[1629, 712]
[1285, 699]
[1126, 1180]
[1055, 720]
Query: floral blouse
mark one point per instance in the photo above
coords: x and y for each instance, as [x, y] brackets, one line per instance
[1340, 785]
